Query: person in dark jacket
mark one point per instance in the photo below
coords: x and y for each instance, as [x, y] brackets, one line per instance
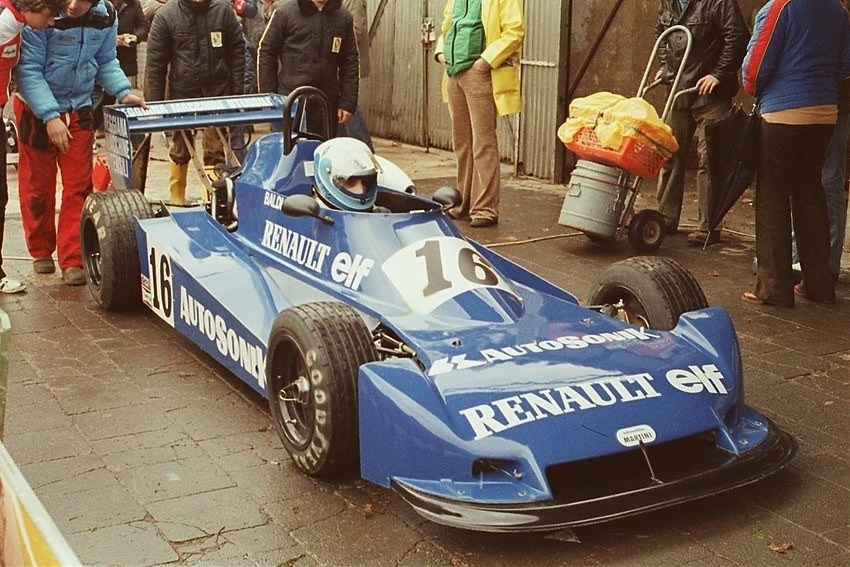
[197, 47]
[799, 52]
[719, 43]
[311, 42]
[132, 29]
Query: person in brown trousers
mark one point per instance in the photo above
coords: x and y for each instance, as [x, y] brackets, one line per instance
[480, 49]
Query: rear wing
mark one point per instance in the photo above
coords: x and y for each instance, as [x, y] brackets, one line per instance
[127, 161]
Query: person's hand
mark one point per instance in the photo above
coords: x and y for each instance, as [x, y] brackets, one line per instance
[127, 39]
[134, 99]
[481, 66]
[342, 115]
[59, 135]
[707, 84]
[441, 59]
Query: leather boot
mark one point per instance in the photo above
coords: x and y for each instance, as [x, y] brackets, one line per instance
[177, 185]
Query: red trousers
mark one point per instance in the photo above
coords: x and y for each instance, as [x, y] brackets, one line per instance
[39, 161]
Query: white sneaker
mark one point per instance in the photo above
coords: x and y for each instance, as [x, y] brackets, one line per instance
[10, 285]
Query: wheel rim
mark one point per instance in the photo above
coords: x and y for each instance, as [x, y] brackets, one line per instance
[294, 395]
[650, 233]
[91, 257]
[629, 308]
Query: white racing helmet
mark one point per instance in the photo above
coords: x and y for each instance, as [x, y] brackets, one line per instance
[346, 174]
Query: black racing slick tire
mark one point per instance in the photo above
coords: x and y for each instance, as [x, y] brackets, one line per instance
[110, 253]
[648, 291]
[315, 353]
[647, 230]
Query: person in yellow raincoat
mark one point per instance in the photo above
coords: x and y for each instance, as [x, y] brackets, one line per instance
[479, 48]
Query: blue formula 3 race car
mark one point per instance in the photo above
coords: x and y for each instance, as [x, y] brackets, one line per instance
[391, 346]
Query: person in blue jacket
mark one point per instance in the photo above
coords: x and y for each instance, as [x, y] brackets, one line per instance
[798, 53]
[55, 78]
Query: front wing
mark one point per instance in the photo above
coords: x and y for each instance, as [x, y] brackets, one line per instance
[734, 471]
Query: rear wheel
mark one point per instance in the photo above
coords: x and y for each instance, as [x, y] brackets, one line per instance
[315, 353]
[110, 254]
[648, 291]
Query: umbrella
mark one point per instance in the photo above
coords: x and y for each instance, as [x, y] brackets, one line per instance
[732, 152]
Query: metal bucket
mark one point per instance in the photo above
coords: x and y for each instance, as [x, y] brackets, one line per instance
[595, 198]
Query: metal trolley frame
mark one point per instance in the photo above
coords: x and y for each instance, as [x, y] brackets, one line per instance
[646, 228]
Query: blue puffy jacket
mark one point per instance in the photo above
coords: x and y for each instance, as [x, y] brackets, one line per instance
[799, 51]
[59, 65]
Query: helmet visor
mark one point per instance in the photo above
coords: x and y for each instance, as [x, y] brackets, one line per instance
[357, 185]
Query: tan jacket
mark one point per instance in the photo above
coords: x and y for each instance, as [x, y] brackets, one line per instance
[361, 32]
[504, 30]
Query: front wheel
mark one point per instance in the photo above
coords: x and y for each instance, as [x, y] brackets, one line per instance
[315, 353]
[110, 254]
[648, 291]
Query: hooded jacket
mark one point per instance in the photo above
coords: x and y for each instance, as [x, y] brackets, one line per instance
[504, 31]
[305, 46]
[198, 47]
[59, 65]
[719, 43]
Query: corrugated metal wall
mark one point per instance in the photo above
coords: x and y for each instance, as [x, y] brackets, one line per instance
[392, 95]
[538, 121]
[402, 97]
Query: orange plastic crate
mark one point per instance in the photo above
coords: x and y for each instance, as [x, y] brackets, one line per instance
[633, 156]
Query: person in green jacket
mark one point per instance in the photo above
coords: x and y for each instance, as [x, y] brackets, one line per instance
[479, 47]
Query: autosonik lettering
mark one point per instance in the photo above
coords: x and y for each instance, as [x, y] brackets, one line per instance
[494, 355]
[250, 357]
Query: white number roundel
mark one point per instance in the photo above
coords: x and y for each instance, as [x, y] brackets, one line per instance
[430, 272]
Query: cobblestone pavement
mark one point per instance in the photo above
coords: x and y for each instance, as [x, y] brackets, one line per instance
[147, 452]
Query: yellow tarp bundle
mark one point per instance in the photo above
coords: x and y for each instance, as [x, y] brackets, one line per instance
[613, 117]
